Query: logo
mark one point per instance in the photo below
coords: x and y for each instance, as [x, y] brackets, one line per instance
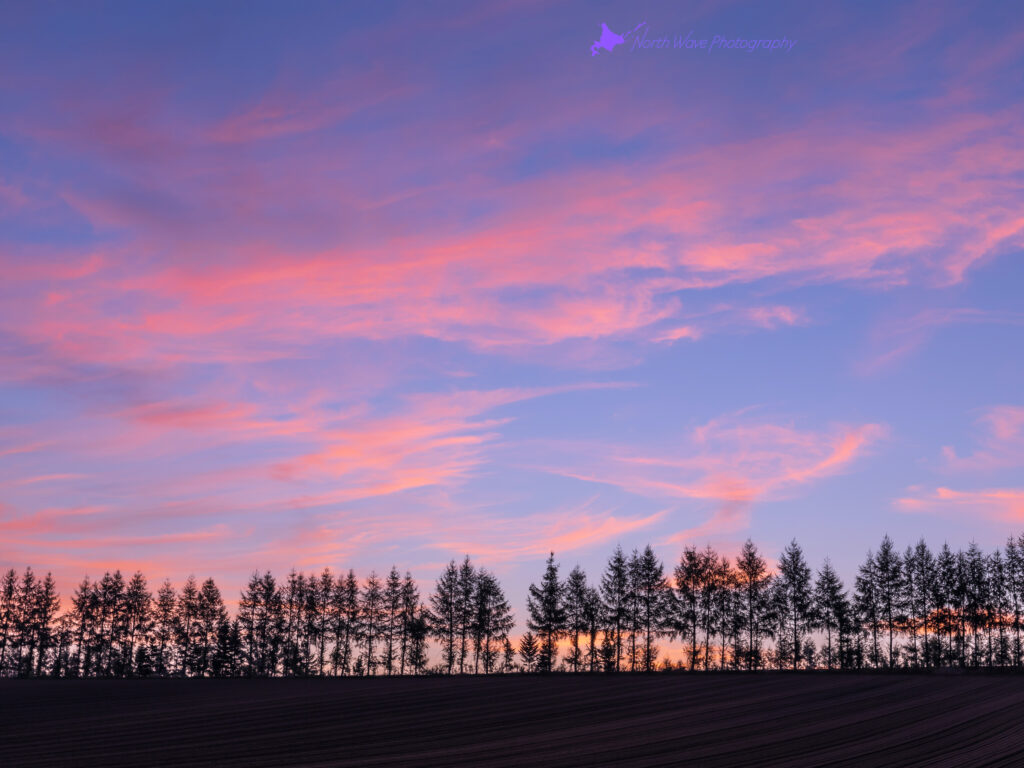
[609, 39]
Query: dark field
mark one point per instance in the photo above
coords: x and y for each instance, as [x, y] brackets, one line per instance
[705, 719]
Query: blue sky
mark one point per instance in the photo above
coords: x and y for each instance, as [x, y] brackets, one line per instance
[305, 288]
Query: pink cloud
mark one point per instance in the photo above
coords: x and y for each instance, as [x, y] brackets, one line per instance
[1001, 445]
[732, 463]
[998, 504]
[532, 536]
[894, 339]
[775, 316]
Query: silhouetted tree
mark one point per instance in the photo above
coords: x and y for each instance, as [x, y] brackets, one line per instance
[162, 640]
[868, 606]
[832, 608]
[211, 615]
[294, 645]
[593, 612]
[392, 625]
[546, 609]
[998, 610]
[754, 588]
[345, 615]
[888, 581]
[919, 590]
[914, 609]
[690, 576]
[185, 628]
[1015, 581]
[445, 615]
[508, 663]
[492, 620]
[410, 604]
[615, 602]
[138, 622]
[416, 630]
[977, 594]
[261, 624]
[465, 587]
[654, 604]
[793, 602]
[528, 651]
[576, 593]
[321, 618]
[371, 617]
[8, 613]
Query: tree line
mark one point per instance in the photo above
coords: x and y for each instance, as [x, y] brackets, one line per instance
[909, 609]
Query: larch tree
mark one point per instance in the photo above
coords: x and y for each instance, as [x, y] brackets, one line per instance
[546, 611]
[492, 621]
[528, 652]
[444, 616]
[615, 601]
[754, 591]
[832, 606]
[410, 613]
[794, 600]
[868, 607]
[576, 592]
[371, 617]
[889, 580]
[654, 605]
[392, 619]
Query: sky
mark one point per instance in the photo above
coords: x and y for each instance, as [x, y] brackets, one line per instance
[353, 285]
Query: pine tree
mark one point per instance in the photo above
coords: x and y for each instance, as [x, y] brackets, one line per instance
[889, 580]
[690, 578]
[576, 592]
[371, 614]
[868, 606]
[754, 591]
[8, 613]
[162, 642]
[345, 610]
[211, 616]
[919, 584]
[546, 609]
[444, 614]
[592, 613]
[24, 626]
[528, 651]
[793, 599]
[261, 623]
[998, 609]
[110, 630]
[410, 602]
[654, 607]
[945, 586]
[322, 620]
[724, 585]
[509, 653]
[633, 610]
[294, 600]
[465, 587]
[226, 657]
[185, 625]
[1015, 579]
[615, 599]
[492, 620]
[138, 606]
[45, 608]
[417, 630]
[392, 619]
[832, 607]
